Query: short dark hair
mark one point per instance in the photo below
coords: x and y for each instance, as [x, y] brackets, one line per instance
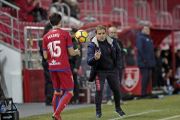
[47, 28]
[55, 18]
[144, 26]
[157, 49]
[99, 27]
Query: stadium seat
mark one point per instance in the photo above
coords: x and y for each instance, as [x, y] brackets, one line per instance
[6, 9]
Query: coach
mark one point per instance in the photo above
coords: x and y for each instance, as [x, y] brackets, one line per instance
[105, 54]
[145, 56]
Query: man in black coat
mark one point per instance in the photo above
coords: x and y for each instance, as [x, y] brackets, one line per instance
[49, 91]
[104, 54]
[157, 80]
[113, 33]
[75, 62]
[145, 57]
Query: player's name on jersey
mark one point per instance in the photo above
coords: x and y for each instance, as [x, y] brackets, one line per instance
[53, 35]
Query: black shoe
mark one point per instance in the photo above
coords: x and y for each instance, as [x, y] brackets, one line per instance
[98, 116]
[49, 104]
[120, 112]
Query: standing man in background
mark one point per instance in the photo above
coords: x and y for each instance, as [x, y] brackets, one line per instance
[113, 33]
[75, 62]
[56, 45]
[145, 57]
[49, 91]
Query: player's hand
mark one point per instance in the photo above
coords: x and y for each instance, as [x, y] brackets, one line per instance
[75, 70]
[78, 52]
[97, 55]
[0, 78]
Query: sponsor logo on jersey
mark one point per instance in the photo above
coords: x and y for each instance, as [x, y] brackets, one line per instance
[53, 62]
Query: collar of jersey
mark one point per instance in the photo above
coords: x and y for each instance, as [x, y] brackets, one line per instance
[55, 28]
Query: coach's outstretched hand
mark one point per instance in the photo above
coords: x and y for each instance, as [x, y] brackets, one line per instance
[78, 52]
[97, 55]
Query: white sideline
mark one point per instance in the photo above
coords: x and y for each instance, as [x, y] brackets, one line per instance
[170, 117]
[135, 114]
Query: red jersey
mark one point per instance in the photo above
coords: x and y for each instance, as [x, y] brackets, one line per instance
[56, 42]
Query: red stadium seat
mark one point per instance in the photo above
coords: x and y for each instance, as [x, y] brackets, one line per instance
[6, 9]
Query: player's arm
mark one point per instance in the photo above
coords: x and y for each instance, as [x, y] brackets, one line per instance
[44, 49]
[45, 54]
[73, 52]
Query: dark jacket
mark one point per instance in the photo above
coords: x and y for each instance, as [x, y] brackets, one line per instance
[122, 52]
[40, 42]
[115, 51]
[177, 61]
[158, 64]
[130, 60]
[44, 61]
[76, 60]
[145, 51]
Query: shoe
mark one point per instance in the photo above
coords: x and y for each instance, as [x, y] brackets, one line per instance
[75, 102]
[55, 117]
[49, 104]
[165, 89]
[109, 102]
[122, 102]
[98, 116]
[120, 112]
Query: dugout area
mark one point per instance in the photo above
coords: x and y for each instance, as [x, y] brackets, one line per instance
[34, 85]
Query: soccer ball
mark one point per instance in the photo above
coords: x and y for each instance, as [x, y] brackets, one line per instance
[81, 36]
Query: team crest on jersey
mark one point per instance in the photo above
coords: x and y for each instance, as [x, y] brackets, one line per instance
[53, 62]
[130, 78]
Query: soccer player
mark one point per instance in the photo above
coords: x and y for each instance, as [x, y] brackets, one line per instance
[56, 45]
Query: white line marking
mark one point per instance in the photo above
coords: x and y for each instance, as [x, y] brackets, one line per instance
[170, 117]
[134, 114]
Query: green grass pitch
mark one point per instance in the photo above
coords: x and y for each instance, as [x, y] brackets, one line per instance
[167, 108]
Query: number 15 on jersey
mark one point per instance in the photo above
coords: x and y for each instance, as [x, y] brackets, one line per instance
[53, 46]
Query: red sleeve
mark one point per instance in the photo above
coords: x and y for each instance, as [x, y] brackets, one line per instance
[69, 40]
[44, 44]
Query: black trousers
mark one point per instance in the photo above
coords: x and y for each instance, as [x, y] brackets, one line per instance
[1, 91]
[114, 83]
[145, 73]
[49, 91]
[121, 71]
[157, 79]
[76, 84]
